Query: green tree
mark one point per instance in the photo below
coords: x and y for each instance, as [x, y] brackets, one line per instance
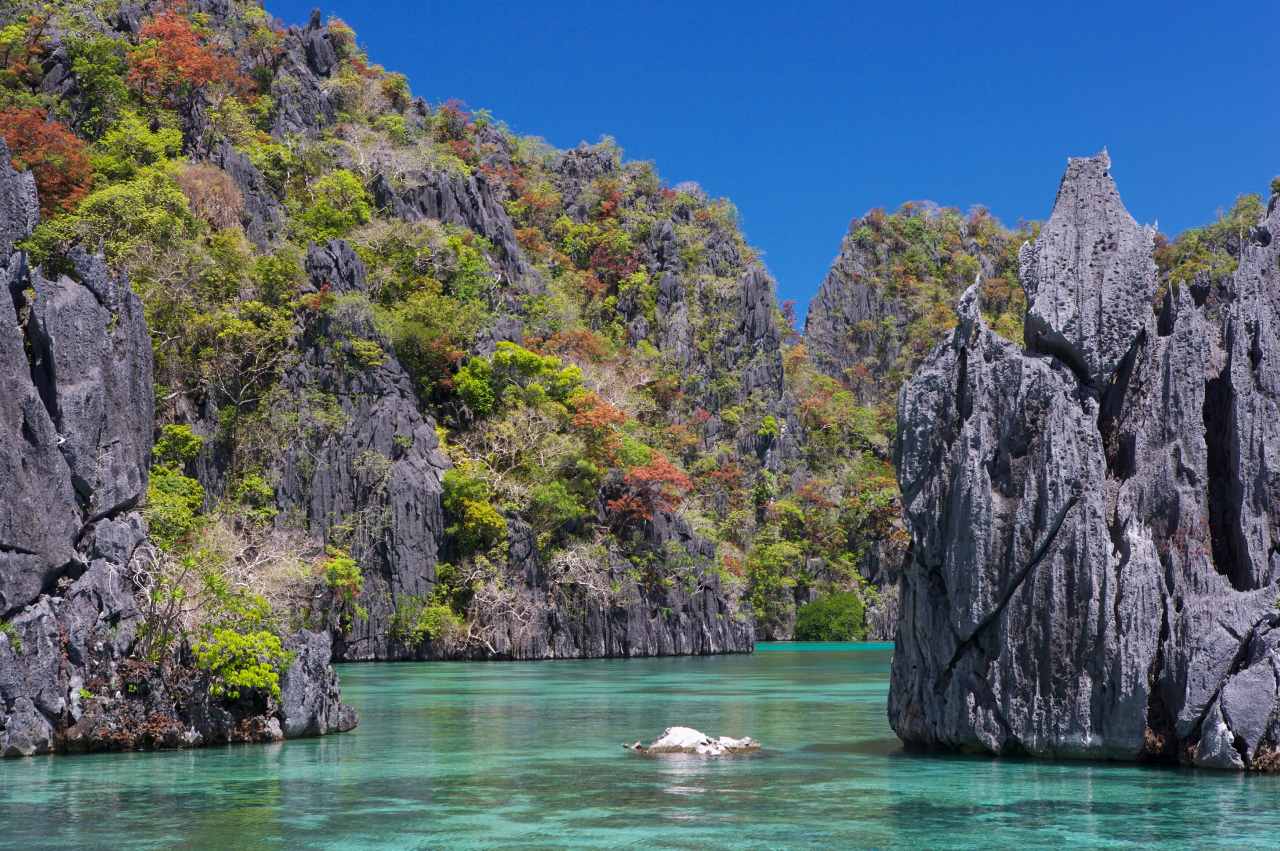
[835, 617]
[339, 203]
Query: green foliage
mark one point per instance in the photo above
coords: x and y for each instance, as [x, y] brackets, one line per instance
[146, 211]
[131, 146]
[368, 353]
[476, 525]
[416, 620]
[771, 569]
[1210, 254]
[174, 500]
[256, 497]
[834, 617]
[339, 203]
[241, 660]
[97, 63]
[178, 446]
[173, 507]
[512, 376]
[342, 575]
[10, 632]
[553, 505]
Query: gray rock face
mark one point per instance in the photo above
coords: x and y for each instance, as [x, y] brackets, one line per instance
[310, 702]
[370, 479]
[92, 361]
[1089, 276]
[466, 200]
[19, 206]
[543, 614]
[847, 305]
[303, 105]
[1090, 520]
[367, 472]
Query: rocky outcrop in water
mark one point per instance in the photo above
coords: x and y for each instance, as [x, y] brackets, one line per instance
[76, 420]
[1093, 573]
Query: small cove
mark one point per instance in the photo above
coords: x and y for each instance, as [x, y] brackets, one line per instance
[528, 754]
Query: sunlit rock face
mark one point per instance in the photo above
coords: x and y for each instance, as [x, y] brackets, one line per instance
[1094, 519]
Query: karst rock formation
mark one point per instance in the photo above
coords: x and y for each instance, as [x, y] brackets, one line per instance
[1095, 519]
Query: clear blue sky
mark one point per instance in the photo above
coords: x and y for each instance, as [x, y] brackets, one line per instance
[810, 112]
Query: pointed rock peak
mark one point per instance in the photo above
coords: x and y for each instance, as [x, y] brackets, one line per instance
[19, 206]
[1090, 277]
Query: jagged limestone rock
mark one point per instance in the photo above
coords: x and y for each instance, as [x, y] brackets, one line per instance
[369, 462]
[76, 426]
[1091, 573]
[466, 200]
[1090, 276]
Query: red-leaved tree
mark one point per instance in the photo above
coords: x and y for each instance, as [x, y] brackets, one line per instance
[656, 486]
[172, 59]
[51, 152]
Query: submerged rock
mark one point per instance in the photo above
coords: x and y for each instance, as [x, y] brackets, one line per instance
[686, 740]
[1094, 521]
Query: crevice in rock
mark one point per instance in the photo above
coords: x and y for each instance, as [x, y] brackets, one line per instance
[1048, 342]
[14, 549]
[1119, 447]
[1168, 316]
[1230, 556]
[1160, 739]
[1037, 557]
[964, 401]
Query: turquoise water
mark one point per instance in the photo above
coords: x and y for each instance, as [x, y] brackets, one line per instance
[527, 754]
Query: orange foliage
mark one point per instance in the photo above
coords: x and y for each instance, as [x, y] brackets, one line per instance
[629, 508]
[659, 483]
[733, 565]
[581, 343]
[212, 193]
[51, 152]
[172, 58]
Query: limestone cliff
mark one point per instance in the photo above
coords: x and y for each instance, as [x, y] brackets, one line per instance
[1092, 572]
[76, 423]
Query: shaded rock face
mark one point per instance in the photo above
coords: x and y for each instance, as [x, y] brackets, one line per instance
[367, 471]
[303, 104]
[76, 420]
[537, 614]
[848, 302]
[1092, 520]
[466, 200]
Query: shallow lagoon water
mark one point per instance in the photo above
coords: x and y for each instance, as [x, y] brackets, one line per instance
[528, 754]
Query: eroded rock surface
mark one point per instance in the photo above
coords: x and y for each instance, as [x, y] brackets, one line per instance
[1093, 573]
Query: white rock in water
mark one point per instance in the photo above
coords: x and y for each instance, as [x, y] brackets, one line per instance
[689, 740]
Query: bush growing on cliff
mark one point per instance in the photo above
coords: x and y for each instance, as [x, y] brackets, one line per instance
[834, 617]
[339, 204]
[241, 660]
[174, 500]
[475, 524]
[52, 153]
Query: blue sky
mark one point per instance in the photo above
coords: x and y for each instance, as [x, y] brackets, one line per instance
[808, 113]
